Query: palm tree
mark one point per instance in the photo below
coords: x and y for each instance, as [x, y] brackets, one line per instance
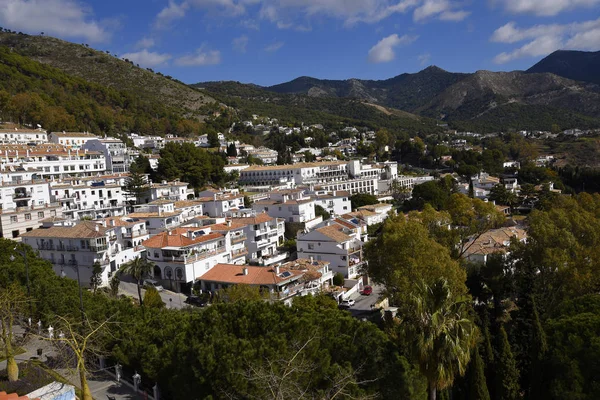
[442, 332]
[138, 268]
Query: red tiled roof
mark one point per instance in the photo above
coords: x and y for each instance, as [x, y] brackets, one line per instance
[259, 219]
[178, 238]
[234, 274]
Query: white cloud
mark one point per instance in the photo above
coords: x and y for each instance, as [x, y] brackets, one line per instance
[383, 51]
[545, 8]
[200, 58]
[63, 18]
[445, 10]
[176, 11]
[424, 59]
[147, 58]
[273, 47]
[170, 13]
[145, 43]
[544, 39]
[240, 43]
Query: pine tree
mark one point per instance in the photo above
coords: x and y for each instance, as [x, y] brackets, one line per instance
[231, 150]
[135, 184]
[506, 372]
[471, 189]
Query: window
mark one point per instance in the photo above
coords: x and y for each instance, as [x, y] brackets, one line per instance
[15, 233]
[40, 214]
[14, 218]
[27, 217]
[311, 246]
[57, 168]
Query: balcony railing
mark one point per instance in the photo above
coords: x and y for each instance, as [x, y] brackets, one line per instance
[98, 248]
[134, 234]
[46, 246]
[195, 257]
[238, 239]
[239, 252]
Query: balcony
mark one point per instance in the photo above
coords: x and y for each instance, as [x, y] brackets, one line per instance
[46, 246]
[98, 248]
[270, 259]
[238, 239]
[134, 234]
[22, 195]
[195, 257]
[239, 252]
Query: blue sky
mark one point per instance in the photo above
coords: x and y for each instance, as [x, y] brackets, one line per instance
[272, 41]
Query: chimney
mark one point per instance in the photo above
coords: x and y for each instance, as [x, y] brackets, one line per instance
[214, 196]
[276, 269]
[112, 222]
[311, 259]
[245, 271]
[97, 228]
[334, 193]
[229, 222]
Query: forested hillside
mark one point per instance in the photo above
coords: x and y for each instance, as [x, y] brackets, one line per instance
[33, 93]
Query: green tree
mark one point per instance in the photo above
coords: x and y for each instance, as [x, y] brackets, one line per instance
[503, 196]
[213, 139]
[241, 292]
[506, 385]
[152, 299]
[320, 211]
[362, 199]
[231, 150]
[442, 333]
[138, 268]
[338, 279]
[135, 184]
[96, 278]
[403, 255]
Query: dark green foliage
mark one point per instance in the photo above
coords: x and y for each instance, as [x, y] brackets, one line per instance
[570, 368]
[362, 199]
[506, 385]
[191, 164]
[136, 183]
[231, 150]
[436, 193]
[36, 93]
[241, 348]
[320, 211]
[338, 279]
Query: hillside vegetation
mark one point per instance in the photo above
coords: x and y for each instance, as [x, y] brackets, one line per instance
[99, 67]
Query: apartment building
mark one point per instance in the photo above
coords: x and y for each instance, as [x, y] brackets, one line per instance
[266, 155]
[183, 254]
[335, 244]
[159, 216]
[93, 198]
[219, 203]
[148, 142]
[24, 202]
[74, 249]
[52, 161]
[264, 235]
[291, 205]
[23, 136]
[115, 152]
[336, 202]
[298, 174]
[71, 139]
[175, 191]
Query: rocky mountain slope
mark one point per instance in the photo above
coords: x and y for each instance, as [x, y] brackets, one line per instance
[577, 65]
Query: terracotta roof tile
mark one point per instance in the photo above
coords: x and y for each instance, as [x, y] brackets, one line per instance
[179, 238]
[234, 274]
[259, 219]
[83, 230]
[335, 233]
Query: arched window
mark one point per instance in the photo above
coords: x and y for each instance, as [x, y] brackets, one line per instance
[179, 274]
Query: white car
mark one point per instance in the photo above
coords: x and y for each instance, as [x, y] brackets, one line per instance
[150, 283]
[347, 303]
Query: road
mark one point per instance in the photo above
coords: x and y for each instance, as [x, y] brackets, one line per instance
[171, 299]
[364, 304]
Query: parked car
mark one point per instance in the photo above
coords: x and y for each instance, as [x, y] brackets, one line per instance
[367, 291]
[347, 303]
[197, 301]
[151, 283]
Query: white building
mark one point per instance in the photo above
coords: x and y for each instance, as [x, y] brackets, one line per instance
[159, 216]
[336, 202]
[175, 191]
[290, 205]
[73, 250]
[93, 198]
[264, 235]
[23, 136]
[115, 152]
[52, 161]
[71, 139]
[24, 203]
[335, 244]
[219, 203]
[184, 254]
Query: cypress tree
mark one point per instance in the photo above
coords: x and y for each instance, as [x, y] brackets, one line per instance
[506, 372]
[478, 389]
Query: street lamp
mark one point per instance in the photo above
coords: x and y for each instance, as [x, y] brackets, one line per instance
[24, 254]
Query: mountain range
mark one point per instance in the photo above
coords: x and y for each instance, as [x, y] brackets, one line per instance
[562, 89]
